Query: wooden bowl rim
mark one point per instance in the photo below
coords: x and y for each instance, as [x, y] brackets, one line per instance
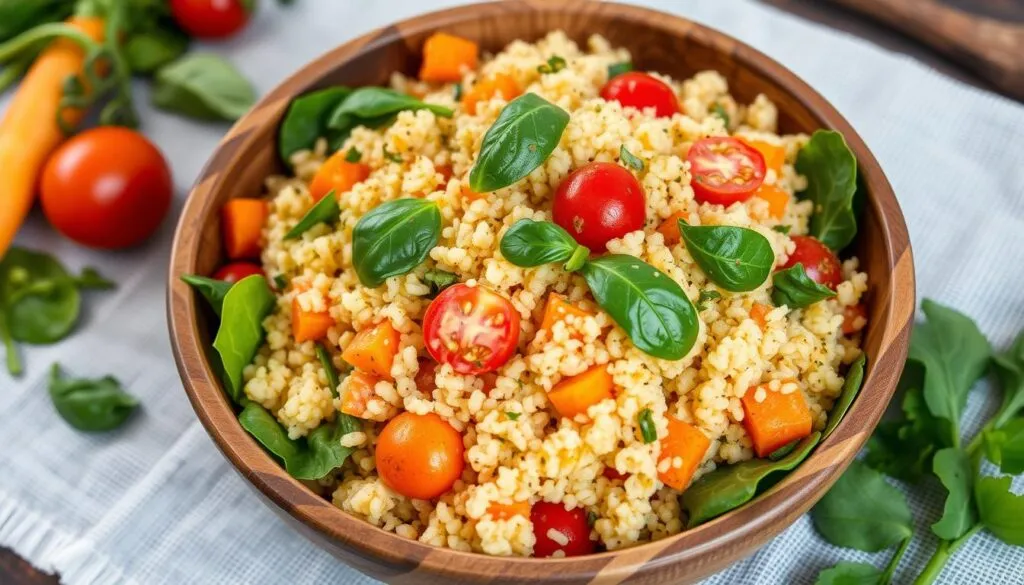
[207, 397]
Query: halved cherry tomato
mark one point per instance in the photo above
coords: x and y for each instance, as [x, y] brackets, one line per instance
[821, 265]
[598, 202]
[237, 271]
[640, 91]
[419, 455]
[472, 328]
[725, 170]
[573, 537]
[210, 19]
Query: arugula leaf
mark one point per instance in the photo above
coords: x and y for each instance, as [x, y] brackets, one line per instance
[1005, 446]
[213, 290]
[324, 211]
[863, 511]
[631, 160]
[847, 573]
[1009, 369]
[794, 289]
[90, 405]
[1001, 511]
[831, 171]
[954, 469]
[241, 332]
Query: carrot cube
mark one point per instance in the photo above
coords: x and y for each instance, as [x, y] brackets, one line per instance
[358, 389]
[775, 421]
[684, 447]
[242, 225]
[575, 395]
[309, 325]
[373, 350]
[338, 175]
[486, 89]
[670, 229]
[557, 309]
[447, 57]
[777, 199]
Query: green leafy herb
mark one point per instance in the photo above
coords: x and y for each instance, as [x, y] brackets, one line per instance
[439, 280]
[851, 387]
[391, 156]
[631, 160]
[647, 303]
[393, 238]
[705, 297]
[513, 415]
[521, 139]
[241, 332]
[954, 469]
[1001, 511]
[280, 282]
[213, 290]
[306, 121]
[329, 370]
[457, 92]
[374, 104]
[783, 451]
[1009, 369]
[531, 243]
[847, 573]
[553, 65]
[731, 486]
[90, 405]
[735, 258]
[616, 69]
[591, 518]
[831, 171]
[203, 86]
[18, 16]
[353, 155]
[1005, 446]
[794, 289]
[904, 448]
[783, 229]
[324, 211]
[645, 420]
[150, 50]
[862, 511]
[720, 112]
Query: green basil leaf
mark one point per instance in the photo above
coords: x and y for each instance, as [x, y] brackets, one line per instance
[531, 243]
[554, 65]
[393, 238]
[90, 405]
[954, 469]
[794, 289]
[329, 370]
[306, 120]
[324, 211]
[647, 303]
[847, 573]
[353, 155]
[521, 139]
[1005, 446]
[831, 171]
[783, 229]
[40, 300]
[616, 69]
[735, 258]
[213, 290]
[439, 280]
[1001, 511]
[720, 112]
[730, 486]
[374, 103]
[241, 332]
[203, 86]
[851, 387]
[645, 420]
[280, 282]
[863, 511]
[630, 159]
[150, 50]
[1009, 369]
[705, 297]
[904, 448]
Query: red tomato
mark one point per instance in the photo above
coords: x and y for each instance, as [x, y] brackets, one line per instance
[237, 271]
[598, 202]
[571, 524]
[472, 328]
[855, 318]
[640, 91]
[210, 19]
[612, 473]
[426, 376]
[106, 188]
[821, 265]
[725, 170]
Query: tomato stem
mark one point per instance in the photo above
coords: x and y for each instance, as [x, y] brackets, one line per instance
[578, 259]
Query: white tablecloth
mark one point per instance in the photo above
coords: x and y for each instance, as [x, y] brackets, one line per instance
[155, 503]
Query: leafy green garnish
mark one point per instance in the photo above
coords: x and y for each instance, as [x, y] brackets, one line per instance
[353, 155]
[794, 289]
[390, 156]
[720, 112]
[851, 387]
[831, 171]
[735, 258]
[847, 573]
[554, 64]
[862, 511]
[631, 160]
[370, 106]
[645, 420]
[394, 238]
[783, 229]
[203, 86]
[953, 468]
[333, 380]
[531, 243]
[213, 290]
[1009, 368]
[1001, 511]
[513, 415]
[324, 211]
[90, 405]
[306, 121]
[616, 69]
[705, 297]
[1004, 446]
[439, 280]
[241, 332]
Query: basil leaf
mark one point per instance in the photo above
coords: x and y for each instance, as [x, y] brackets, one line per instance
[393, 238]
[616, 69]
[847, 573]
[40, 299]
[794, 289]
[647, 303]
[521, 139]
[630, 159]
[213, 290]
[851, 387]
[729, 487]
[280, 282]
[954, 469]
[645, 420]
[1009, 369]
[306, 120]
[353, 155]
[203, 86]
[554, 65]
[831, 171]
[438, 281]
[1005, 446]
[241, 332]
[863, 511]
[324, 211]
[531, 243]
[735, 258]
[150, 50]
[1001, 511]
[90, 405]
[375, 103]
[705, 297]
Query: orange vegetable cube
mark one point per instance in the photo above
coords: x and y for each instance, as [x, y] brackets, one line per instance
[557, 309]
[357, 392]
[684, 447]
[759, 313]
[447, 57]
[670, 229]
[373, 350]
[774, 155]
[489, 88]
[241, 225]
[508, 511]
[309, 325]
[575, 395]
[775, 421]
[855, 318]
[338, 175]
[777, 199]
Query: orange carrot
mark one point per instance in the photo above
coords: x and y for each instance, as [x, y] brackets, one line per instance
[777, 199]
[471, 195]
[29, 131]
[447, 57]
[508, 511]
[557, 309]
[338, 175]
[357, 391]
[670, 228]
[759, 313]
[575, 395]
[242, 224]
[774, 156]
[308, 325]
[684, 447]
[373, 350]
[855, 318]
[489, 88]
[775, 421]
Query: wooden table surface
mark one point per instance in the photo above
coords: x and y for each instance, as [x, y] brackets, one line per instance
[14, 571]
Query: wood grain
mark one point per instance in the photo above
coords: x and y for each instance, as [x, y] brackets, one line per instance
[14, 571]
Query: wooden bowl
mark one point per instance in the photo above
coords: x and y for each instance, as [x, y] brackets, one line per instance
[659, 42]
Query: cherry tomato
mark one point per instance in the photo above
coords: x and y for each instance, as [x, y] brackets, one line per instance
[598, 202]
[210, 19]
[612, 473]
[725, 170]
[571, 524]
[106, 188]
[640, 91]
[855, 318]
[237, 271]
[821, 265]
[419, 455]
[473, 328]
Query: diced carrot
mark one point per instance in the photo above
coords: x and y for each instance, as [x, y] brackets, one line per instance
[508, 511]
[759, 313]
[855, 318]
[358, 390]
[338, 175]
[670, 228]
[777, 420]
[557, 309]
[373, 350]
[241, 224]
[489, 88]
[684, 447]
[774, 156]
[447, 57]
[472, 195]
[308, 325]
[575, 395]
[777, 199]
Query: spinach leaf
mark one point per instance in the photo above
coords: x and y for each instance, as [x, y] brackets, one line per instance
[904, 448]
[954, 469]
[705, 297]
[735, 258]
[1009, 369]
[375, 104]
[1001, 511]
[1005, 446]
[521, 139]
[306, 121]
[439, 280]
[645, 420]
[783, 451]
[333, 380]
[647, 303]
[847, 573]
[90, 405]
[531, 243]
[616, 69]
[150, 50]
[393, 238]
[324, 211]
[831, 171]
[851, 387]
[794, 289]
[731, 486]
[213, 290]
[554, 65]
[203, 86]
[241, 332]
[632, 161]
[863, 511]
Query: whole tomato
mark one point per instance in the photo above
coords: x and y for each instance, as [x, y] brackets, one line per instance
[641, 91]
[211, 19]
[598, 202]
